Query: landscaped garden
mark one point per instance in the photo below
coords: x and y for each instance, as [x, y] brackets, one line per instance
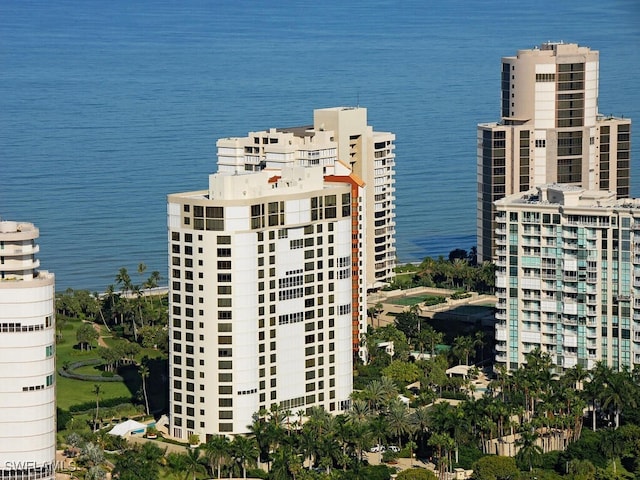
[592, 416]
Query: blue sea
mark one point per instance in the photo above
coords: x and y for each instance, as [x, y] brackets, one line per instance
[108, 106]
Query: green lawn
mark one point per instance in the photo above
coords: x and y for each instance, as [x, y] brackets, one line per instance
[71, 392]
[410, 301]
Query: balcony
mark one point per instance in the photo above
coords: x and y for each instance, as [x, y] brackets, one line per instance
[252, 159]
[530, 242]
[13, 265]
[19, 250]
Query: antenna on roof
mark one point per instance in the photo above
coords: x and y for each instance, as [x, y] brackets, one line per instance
[358, 99]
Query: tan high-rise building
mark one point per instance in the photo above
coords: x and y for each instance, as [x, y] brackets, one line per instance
[550, 132]
[337, 134]
[568, 277]
[265, 297]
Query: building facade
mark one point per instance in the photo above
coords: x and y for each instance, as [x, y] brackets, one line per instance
[568, 277]
[339, 134]
[261, 297]
[27, 358]
[550, 132]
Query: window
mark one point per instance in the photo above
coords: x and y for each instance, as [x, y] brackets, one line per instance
[257, 216]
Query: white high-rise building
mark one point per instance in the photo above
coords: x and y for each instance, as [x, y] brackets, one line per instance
[337, 134]
[265, 295]
[568, 277]
[550, 132]
[27, 358]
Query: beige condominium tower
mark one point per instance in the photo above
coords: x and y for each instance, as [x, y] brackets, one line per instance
[338, 134]
[264, 297]
[550, 132]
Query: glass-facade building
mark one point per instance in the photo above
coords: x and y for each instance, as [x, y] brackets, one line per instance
[568, 277]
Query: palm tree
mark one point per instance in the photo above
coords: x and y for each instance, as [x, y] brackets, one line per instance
[362, 435]
[457, 423]
[478, 342]
[285, 462]
[376, 311]
[421, 422]
[378, 428]
[266, 434]
[438, 416]
[575, 376]
[399, 419]
[192, 464]
[389, 389]
[612, 445]
[411, 445]
[617, 394]
[217, 451]
[244, 451]
[432, 338]
[582, 469]
[123, 280]
[529, 452]
[374, 394]
[463, 347]
[144, 374]
[97, 389]
[443, 443]
[141, 268]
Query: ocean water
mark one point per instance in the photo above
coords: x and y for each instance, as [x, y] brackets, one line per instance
[106, 107]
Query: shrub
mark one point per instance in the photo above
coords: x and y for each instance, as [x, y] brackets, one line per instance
[434, 301]
[468, 455]
[370, 472]
[460, 295]
[106, 403]
[257, 473]
[62, 418]
[67, 371]
[390, 456]
[493, 467]
[416, 474]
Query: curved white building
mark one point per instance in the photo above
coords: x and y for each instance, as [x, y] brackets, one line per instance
[27, 359]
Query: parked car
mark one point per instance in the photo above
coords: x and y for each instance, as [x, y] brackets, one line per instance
[377, 449]
[393, 448]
